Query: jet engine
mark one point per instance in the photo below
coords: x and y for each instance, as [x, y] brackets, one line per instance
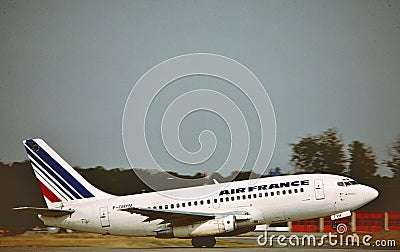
[212, 227]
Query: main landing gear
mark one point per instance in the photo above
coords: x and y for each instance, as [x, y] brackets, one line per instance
[199, 242]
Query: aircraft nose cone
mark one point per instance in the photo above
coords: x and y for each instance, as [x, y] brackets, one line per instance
[370, 194]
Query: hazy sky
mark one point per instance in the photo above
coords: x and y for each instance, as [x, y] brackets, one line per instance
[67, 67]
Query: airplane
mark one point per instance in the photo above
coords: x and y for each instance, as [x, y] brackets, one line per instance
[233, 208]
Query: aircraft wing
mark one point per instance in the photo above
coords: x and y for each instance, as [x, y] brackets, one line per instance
[50, 212]
[178, 218]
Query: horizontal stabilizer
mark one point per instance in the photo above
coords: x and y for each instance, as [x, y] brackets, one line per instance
[55, 212]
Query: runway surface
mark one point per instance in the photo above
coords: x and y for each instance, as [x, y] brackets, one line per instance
[172, 249]
[75, 242]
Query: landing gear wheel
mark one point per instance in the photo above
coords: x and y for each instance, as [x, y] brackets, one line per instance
[199, 242]
[210, 242]
[196, 243]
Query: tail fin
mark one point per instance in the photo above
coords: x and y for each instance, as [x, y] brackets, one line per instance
[57, 179]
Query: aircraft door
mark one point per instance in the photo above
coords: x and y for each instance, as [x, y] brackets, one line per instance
[319, 189]
[215, 202]
[104, 218]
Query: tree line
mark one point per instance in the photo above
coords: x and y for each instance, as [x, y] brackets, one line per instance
[325, 153]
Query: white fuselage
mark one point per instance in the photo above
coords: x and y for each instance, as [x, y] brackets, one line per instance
[267, 200]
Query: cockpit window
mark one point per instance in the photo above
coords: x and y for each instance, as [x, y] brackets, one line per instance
[347, 183]
[354, 182]
[340, 184]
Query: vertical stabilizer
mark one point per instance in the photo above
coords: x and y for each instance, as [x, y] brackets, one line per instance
[57, 179]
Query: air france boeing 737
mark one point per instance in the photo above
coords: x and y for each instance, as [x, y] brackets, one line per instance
[234, 208]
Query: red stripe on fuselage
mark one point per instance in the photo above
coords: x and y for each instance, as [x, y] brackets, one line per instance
[48, 194]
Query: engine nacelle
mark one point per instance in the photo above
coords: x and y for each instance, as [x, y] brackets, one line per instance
[212, 227]
[165, 232]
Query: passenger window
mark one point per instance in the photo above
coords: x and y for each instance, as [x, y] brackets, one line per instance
[254, 195]
[295, 190]
[183, 204]
[227, 199]
[172, 206]
[278, 193]
[195, 202]
[221, 199]
[177, 205]
[238, 197]
[290, 191]
[215, 200]
[260, 195]
[301, 190]
[166, 206]
[159, 207]
[243, 196]
[249, 197]
[232, 198]
[272, 193]
[208, 201]
[266, 194]
[189, 203]
[201, 202]
[284, 192]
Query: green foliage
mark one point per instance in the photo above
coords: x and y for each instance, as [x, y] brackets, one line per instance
[394, 163]
[306, 155]
[115, 181]
[321, 153]
[362, 162]
[18, 187]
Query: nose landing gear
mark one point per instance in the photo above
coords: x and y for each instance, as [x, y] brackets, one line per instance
[334, 225]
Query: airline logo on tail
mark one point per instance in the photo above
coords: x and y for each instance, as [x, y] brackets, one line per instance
[57, 178]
